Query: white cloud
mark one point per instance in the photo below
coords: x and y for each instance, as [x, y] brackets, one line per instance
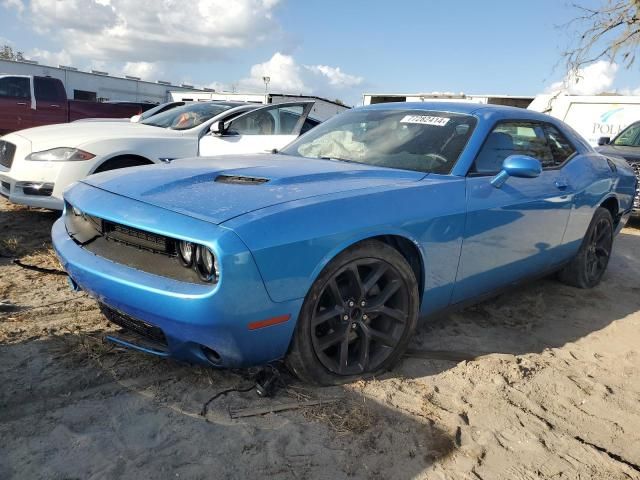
[284, 74]
[590, 80]
[335, 76]
[144, 70]
[49, 58]
[152, 30]
[287, 76]
[16, 4]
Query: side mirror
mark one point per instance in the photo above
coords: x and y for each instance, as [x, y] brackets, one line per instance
[520, 166]
[217, 128]
[135, 118]
[604, 141]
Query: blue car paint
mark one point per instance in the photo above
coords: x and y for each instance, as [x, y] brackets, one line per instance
[190, 315]
[274, 239]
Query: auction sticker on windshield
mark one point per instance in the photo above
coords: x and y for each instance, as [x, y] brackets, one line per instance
[425, 120]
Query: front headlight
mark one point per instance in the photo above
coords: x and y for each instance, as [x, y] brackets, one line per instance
[61, 154]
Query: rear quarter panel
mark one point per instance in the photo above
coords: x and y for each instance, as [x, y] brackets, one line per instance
[593, 182]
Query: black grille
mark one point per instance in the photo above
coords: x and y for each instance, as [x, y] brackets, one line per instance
[138, 238]
[139, 327]
[7, 152]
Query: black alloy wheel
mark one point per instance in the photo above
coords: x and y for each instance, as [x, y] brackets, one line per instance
[358, 316]
[598, 250]
[587, 268]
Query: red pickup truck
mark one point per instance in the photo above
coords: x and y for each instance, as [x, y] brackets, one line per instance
[31, 101]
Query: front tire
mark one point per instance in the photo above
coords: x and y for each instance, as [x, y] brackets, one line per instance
[357, 318]
[588, 266]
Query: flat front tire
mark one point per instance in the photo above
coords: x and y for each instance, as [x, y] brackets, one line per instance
[357, 318]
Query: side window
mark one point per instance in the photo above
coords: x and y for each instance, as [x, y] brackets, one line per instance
[271, 121]
[46, 89]
[14, 87]
[513, 138]
[630, 137]
[309, 123]
[560, 147]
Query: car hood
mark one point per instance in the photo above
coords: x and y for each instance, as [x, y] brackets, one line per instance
[631, 154]
[77, 134]
[217, 189]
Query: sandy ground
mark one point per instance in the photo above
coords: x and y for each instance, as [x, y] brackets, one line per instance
[553, 391]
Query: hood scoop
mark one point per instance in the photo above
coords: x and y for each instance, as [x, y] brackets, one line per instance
[240, 180]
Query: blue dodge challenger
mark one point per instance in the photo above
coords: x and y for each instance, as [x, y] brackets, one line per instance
[328, 252]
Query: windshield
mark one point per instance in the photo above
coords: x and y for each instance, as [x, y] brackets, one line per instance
[424, 141]
[163, 107]
[629, 137]
[186, 116]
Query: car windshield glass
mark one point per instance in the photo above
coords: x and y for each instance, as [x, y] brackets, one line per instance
[186, 116]
[629, 137]
[424, 141]
[163, 107]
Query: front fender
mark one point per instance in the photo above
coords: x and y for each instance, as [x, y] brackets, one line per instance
[293, 242]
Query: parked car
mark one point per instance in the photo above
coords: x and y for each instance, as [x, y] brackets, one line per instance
[625, 145]
[328, 252]
[37, 164]
[30, 101]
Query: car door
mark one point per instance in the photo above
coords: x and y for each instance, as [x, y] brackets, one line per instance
[260, 130]
[516, 230]
[15, 103]
[51, 101]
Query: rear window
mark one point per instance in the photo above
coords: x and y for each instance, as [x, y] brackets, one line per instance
[47, 89]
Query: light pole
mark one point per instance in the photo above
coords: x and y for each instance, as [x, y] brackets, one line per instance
[266, 81]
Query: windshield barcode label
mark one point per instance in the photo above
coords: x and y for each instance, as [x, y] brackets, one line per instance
[425, 120]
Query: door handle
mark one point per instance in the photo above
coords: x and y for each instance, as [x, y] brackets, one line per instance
[21, 103]
[55, 106]
[561, 183]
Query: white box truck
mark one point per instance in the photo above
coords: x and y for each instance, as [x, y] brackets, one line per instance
[592, 116]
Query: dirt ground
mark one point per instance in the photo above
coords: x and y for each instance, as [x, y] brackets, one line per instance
[543, 382]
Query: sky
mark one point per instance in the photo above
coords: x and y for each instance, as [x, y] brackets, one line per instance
[332, 48]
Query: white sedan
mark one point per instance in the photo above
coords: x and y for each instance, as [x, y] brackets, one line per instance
[37, 164]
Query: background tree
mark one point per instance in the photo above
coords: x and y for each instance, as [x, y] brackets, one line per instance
[611, 32]
[7, 53]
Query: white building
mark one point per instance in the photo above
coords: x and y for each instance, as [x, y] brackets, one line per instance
[96, 85]
[511, 100]
[322, 109]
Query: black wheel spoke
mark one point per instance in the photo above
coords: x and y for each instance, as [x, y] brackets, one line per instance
[380, 337]
[331, 339]
[344, 354]
[392, 313]
[354, 275]
[335, 293]
[365, 345]
[327, 314]
[374, 276]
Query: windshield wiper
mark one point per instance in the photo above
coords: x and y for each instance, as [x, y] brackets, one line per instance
[337, 159]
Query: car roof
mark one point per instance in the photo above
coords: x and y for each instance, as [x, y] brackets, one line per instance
[468, 108]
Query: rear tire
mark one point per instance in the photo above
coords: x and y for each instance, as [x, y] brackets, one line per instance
[588, 266]
[121, 162]
[357, 318]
